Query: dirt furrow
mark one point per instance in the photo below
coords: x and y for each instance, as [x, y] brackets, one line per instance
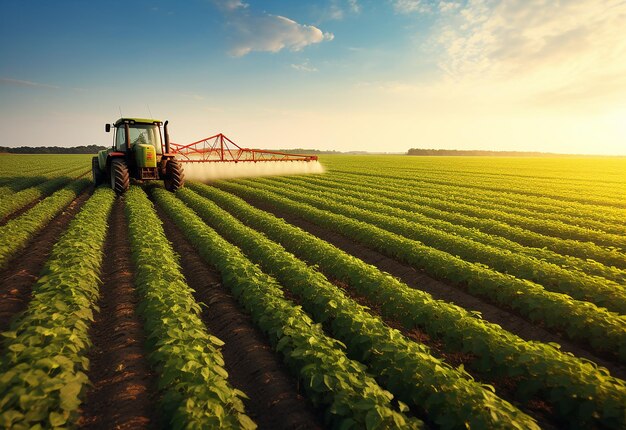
[16, 281]
[440, 290]
[124, 393]
[274, 401]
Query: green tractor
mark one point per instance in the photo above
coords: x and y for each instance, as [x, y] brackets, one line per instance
[138, 152]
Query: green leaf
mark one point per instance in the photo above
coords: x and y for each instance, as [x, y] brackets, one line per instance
[17, 347]
[216, 341]
[57, 419]
[246, 422]
[69, 396]
[7, 418]
[9, 334]
[402, 406]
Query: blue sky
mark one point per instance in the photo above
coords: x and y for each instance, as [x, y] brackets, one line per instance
[337, 74]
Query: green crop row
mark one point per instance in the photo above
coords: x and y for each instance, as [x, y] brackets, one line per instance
[448, 396]
[582, 239]
[529, 181]
[588, 216]
[465, 243]
[524, 187]
[604, 331]
[16, 233]
[188, 360]
[13, 167]
[503, 200]
[535, 178]
[23, 198]
[591, 217]
[570, 384]
[350, 397]
[13, 184]
[43, 372]
[443, 213]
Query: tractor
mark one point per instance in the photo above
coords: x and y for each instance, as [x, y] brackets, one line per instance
[138, 152]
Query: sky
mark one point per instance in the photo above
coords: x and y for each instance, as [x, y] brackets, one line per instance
[386, 75]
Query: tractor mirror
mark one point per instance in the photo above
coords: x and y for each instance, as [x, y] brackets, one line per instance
[107, 127]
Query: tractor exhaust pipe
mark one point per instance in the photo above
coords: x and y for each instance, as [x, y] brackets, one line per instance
[167, 137]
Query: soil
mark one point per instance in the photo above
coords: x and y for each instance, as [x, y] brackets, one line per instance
[274, 401]
[17, 280]
[124, 392]
[440, 290]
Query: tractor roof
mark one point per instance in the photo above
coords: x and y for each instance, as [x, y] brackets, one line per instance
[137, 120]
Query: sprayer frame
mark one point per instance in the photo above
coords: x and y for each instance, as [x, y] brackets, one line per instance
[219, 148]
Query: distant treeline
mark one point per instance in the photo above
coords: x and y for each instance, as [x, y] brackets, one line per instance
[89, 149]
[460, 152]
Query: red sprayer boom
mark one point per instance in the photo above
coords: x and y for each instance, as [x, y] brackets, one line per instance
[219, 148]
[218, 157]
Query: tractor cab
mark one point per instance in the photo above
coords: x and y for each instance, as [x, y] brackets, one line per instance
[140, 131]
[138, 152]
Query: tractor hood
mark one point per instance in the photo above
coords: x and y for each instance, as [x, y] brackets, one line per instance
[145, 155]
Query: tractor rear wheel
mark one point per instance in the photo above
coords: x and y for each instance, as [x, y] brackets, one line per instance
[174, 175]
[120, 180]
[96, 174]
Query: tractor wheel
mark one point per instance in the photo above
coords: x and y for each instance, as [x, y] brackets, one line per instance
[174, 175]
[120, 181]
[96, 174]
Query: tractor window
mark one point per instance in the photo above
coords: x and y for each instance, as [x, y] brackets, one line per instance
[120, 139]
[147, 134]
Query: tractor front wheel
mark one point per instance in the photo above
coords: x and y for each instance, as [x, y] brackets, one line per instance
[174, 175]
[96, 173]
[120, 180]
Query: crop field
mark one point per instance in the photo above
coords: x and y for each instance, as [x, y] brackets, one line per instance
[388, 292]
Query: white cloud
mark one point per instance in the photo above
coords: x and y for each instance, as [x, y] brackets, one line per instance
[547, 49]
[448, 6]
[272, 33]
[261, 31]
[410, 6]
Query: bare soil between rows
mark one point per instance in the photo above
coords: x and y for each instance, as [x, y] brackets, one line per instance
[440, 290]
[124, 394]
[17, 280]
[274, 401]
